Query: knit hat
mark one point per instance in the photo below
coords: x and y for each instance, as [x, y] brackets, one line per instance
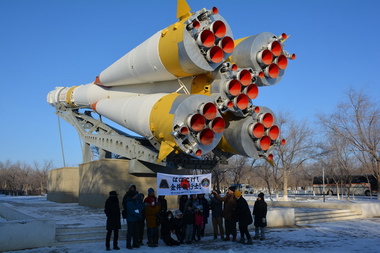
[237, 194]
[232, 188]
[150, 190]
[261, 195]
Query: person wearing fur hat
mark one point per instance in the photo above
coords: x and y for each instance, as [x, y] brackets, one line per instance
[152, 208]
[112, 211]
[244, 218]
[229, 212]
[260, 216]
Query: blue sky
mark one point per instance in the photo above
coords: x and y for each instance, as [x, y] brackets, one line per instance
[45, 44]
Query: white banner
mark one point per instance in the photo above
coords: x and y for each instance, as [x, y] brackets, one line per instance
[168, 184]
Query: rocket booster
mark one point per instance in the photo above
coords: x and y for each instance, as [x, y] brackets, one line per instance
[179, 122]
[190, 88]
[252, 136]
[191, 46]
[264, 53]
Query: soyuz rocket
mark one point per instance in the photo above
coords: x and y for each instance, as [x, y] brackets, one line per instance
[190, 88]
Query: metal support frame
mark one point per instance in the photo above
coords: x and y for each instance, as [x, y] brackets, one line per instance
[110, 140]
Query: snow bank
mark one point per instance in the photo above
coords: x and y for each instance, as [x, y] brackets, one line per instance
[21, 231]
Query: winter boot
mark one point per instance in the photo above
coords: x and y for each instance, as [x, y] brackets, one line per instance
[249, 241]
[242, 240]
[151, 244]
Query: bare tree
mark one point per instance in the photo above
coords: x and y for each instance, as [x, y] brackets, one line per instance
[237, 168]
[298, 149]
[218, 176]
[302, 178]
[41, 175]
[343, 163]
[357, 120]
[19, 178]
[268, 173]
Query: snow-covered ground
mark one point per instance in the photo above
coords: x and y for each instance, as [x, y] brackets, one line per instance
[362, 235]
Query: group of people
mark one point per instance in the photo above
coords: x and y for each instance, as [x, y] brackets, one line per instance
[187, 223]
[236, 210]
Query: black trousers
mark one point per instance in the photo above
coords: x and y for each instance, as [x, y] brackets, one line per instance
[141, 225]
[230, 226]
[115, 237]
[133, 233]
[244, 231]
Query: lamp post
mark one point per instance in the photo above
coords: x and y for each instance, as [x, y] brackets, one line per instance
[323, 183]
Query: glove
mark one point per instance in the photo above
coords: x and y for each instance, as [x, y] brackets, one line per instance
[137, 211]
[264, 220]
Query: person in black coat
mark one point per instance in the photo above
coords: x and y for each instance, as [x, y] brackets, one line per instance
[179, 226]
[167, 229]
[164, 207]
[189, 220]
[244, 217]
[182, 203]
[260, 214]
[112, 211]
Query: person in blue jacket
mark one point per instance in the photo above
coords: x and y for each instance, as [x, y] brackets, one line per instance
[134, 215]
[141, 223]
